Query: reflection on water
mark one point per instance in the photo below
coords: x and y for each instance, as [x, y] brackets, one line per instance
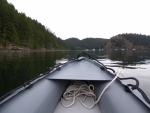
[132, 64]
[125, 58]
[18, 67]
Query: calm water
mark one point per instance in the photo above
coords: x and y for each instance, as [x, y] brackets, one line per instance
[18, 67]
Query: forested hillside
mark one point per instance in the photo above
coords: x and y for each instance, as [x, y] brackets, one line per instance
[19, 31]
[87, 43]
[129, 41]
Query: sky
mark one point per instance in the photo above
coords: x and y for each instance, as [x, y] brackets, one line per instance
[88, 18]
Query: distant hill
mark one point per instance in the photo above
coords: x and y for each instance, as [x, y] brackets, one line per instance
[19, 31]
[118, 42]
[129, 42]
[87, 43]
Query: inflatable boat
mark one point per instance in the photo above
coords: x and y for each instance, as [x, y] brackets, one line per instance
[80, 85]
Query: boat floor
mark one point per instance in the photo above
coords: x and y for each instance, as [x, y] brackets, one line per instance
[77, 107]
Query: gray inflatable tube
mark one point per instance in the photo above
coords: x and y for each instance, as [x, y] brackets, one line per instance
[42, 97]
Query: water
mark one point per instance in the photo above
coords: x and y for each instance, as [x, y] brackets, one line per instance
[18, 67]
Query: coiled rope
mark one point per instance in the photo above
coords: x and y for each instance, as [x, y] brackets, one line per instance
[78, 88]
[75, 90]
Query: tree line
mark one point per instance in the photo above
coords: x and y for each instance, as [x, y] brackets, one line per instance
[87, 43]
[129, 41]
[137, 39]
[126, 41]
[16, 29]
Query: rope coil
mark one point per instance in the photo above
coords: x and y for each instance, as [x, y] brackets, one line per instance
[78, 88]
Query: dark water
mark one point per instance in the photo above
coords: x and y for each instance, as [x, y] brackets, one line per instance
[18, 67]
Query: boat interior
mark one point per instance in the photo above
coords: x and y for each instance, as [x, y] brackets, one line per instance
[114, 100]
[77, 105]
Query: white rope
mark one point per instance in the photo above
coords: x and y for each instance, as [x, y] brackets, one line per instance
[107, 86]
[75, 90]
[78, 88]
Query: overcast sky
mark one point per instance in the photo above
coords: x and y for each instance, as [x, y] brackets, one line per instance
[88, 18]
